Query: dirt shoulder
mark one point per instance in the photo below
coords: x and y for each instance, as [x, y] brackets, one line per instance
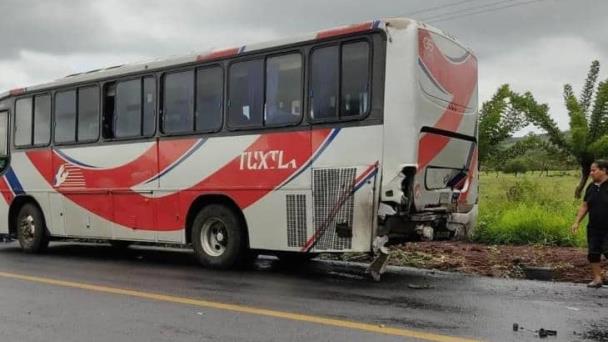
[569, 264]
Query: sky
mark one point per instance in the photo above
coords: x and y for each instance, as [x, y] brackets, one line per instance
[533, 45]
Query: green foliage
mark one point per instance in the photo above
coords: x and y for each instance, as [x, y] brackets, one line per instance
[587, 93]
[515, 166]
[528, 224]
[588, 126]
[498, 120]
[598, 126]
[527, 210]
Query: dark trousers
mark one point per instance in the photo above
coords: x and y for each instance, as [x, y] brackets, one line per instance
[597, 240]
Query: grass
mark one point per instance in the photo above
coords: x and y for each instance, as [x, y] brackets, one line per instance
[528, 209]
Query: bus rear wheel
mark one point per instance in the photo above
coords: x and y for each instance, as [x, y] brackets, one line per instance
[218, 237]
[31, 229]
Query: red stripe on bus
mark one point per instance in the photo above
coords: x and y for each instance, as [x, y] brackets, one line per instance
[17, 91]
[142, 168]
[472, 172]
[7, 193]
[218, 54]
[340, 31]
[245, 184]
[459, 79]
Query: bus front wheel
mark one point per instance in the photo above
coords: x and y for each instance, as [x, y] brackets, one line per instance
[31, 229]
[218, 237]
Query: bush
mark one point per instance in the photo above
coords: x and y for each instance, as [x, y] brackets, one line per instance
[528, 223]
[527, 210]
[515, 166]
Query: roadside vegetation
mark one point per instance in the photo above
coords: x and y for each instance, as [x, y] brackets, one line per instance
[524, 197]
[530, 208]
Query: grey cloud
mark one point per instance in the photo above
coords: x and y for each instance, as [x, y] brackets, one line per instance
[161, 27]
[70, 35]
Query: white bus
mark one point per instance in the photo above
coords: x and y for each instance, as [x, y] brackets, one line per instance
[336, 141]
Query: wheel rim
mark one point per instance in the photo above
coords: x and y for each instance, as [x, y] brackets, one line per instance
[214, 237]
[27, 227]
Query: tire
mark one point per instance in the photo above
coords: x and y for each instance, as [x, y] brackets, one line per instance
[31, 229]
[120, 244]
[218, 237]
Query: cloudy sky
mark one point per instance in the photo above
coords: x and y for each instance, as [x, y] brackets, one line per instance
[535, 45]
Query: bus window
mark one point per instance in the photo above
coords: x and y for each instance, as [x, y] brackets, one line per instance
[88, 114]
[3, 137]
[65, 117]
[355, 79]
[23, 122]
[149, 107]
[283, 90]
[109, 107]
[127, 122]
[324, 83]
[246, 94]
[209, 90]
[42, 120]
[178, 100]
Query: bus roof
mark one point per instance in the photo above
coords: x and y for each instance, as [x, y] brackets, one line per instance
[218, 54]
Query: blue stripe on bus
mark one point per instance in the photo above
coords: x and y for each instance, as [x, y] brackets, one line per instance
[13, 182]
[362, 182]
[74, 161]
[327, 142]
[198, 145]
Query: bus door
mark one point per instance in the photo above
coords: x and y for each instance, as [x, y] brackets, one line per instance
[3, 140]
[3, 165]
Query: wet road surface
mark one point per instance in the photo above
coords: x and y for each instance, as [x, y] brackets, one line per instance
[87, 292]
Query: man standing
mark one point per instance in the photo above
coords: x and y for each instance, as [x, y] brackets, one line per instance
[596, 204]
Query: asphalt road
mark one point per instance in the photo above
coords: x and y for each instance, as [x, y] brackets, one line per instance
[81, 292]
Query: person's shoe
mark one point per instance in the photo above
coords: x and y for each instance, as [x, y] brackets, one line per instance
[595, 284]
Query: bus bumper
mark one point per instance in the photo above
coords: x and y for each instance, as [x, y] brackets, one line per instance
[427, 225]
[463, 224]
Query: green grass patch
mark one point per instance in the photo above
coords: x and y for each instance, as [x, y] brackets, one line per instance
[528, 209]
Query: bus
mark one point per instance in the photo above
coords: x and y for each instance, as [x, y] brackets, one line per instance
[344, 140]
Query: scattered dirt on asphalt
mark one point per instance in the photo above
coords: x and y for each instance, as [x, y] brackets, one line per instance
[569, 264]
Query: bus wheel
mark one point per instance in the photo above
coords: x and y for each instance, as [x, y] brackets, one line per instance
[31, 229]
[218, 237]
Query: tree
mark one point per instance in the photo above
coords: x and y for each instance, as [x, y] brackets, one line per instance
[515, 166]
[588, 138]
[498, 120]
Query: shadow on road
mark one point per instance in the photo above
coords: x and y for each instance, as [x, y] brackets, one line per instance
[184, 260]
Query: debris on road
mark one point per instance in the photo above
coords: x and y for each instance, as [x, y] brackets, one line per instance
[538, 272]
[419, 287]
[567, 264]
[542, 332]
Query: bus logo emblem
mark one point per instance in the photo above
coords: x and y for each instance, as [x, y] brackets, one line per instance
[261, 160]
[69, 176]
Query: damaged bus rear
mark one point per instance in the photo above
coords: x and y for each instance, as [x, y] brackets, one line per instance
[430, 179]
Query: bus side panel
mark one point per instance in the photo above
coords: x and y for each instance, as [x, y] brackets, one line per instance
[4, 216]
[25, 178]
[400, 126]
[280, 219]
[244, 168]
[343, 187]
